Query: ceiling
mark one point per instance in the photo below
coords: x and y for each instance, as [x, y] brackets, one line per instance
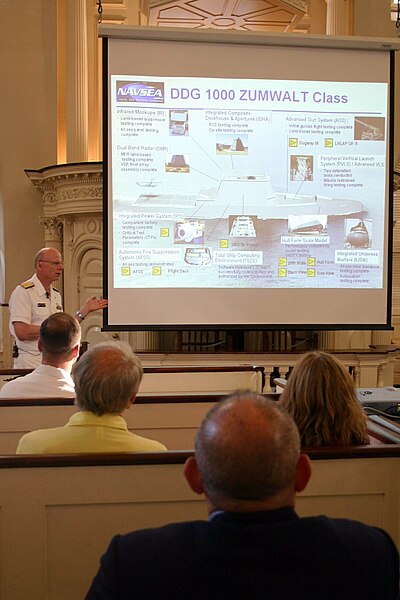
[248, 15]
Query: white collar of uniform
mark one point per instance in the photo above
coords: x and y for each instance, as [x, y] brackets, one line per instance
[38, 284]
[51, 371]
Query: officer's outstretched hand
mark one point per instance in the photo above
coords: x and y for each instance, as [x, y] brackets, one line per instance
[93, 303]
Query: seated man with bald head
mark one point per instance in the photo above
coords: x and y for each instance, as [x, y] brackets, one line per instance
[59, 341]
[254, 546]
[107, 379]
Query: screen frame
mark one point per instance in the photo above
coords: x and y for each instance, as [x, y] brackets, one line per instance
[253, 38]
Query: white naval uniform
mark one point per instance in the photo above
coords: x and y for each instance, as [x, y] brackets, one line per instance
[44, 382]
[29, 303]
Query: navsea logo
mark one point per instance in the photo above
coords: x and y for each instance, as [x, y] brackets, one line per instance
[151, 92]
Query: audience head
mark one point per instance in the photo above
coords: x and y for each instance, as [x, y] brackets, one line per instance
[247, 455]
[320, 396]
[107, 378]
[59, 339]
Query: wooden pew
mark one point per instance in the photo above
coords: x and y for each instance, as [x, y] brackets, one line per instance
[58, 513]
[185, 379]
[170, 419]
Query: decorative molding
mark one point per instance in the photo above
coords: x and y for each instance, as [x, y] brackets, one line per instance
[49, 198]
[69, 233]
[123, 12]
[146, 5]
[94, 226]
[79, 193]
[248, 15]
[53, 229]
[70, 189]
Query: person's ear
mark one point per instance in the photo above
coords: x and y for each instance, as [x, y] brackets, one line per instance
[131, 401]
[303, 473]
[40, 347]
[75, 351]
[192, 475]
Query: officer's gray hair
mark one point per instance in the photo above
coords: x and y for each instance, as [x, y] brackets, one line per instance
[39, 255]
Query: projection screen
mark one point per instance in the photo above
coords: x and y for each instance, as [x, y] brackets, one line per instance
[247, 180]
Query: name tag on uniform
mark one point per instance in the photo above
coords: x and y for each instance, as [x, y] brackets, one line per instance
[41, 304]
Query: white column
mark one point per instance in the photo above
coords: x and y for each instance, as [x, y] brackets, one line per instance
[381, 338]
[336, 17]
[326, 340]
[77, 83]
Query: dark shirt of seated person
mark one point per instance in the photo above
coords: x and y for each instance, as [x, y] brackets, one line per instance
[107, 379]
[59, 339]
[320, 397]
[254, 545]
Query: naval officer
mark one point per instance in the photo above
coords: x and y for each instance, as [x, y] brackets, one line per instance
[36, 299]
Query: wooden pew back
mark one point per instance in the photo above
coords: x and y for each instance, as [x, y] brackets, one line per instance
[58, 513]
[184, 379]
[170, 419]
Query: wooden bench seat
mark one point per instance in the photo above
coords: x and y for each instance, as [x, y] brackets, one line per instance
[58, 513]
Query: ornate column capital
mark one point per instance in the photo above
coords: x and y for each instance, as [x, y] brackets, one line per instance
[53, 230]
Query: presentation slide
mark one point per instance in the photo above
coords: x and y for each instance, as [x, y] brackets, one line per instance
[247, 180]
[247, 183]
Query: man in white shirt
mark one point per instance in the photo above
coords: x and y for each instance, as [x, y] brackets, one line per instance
[59, 339]
[36, 299]
[107, 379]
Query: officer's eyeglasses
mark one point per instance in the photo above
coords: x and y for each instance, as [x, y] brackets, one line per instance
[58, 263]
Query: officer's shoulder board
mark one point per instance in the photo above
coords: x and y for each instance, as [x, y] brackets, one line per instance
[27, 284]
